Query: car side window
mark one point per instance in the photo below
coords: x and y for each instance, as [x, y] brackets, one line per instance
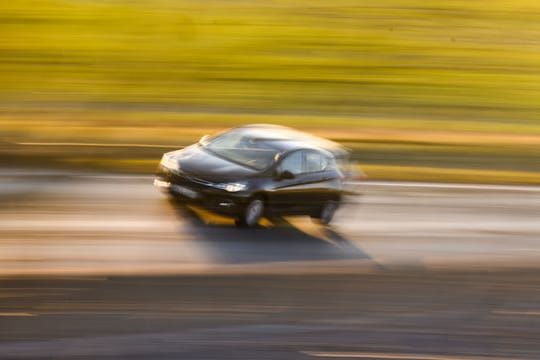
[315, 162]
[292, 163]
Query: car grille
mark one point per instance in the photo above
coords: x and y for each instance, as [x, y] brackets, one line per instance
[188, 179]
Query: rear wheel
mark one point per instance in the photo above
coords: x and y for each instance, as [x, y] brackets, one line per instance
[252, 214]
[326, 212]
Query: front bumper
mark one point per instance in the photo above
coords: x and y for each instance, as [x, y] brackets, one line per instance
[193, 192]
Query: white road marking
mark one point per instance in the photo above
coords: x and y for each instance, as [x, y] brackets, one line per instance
[389, 356]
[448, 185]
[425, 185]
[101, 224]
[517, 312]
[117, 177]
[16, 314]
[96, 144]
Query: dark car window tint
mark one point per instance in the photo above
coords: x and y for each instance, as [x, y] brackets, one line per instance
[231, 139]
[244, 150]
[315, 162]
[292, 163]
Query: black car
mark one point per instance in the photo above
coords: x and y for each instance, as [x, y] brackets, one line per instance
[258, 170]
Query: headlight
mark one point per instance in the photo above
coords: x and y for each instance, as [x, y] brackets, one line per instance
[232, 187]
[170, 163]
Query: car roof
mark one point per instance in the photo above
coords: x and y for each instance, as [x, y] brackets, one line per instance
[286, 139]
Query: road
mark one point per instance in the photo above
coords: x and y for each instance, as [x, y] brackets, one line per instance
[106, 267]
[62, 223]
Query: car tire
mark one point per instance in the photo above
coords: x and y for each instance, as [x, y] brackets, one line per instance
[252, 213]
[326, 212]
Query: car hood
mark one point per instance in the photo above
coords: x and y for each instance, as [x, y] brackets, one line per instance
[197, 162]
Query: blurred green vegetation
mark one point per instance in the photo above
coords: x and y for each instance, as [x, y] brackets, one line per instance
[450, 85]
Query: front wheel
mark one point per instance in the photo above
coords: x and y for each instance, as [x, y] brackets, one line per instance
[252, 214]
[326, 212]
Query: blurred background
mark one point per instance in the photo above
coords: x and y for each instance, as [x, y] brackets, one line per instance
[446, 91]
[443, 97]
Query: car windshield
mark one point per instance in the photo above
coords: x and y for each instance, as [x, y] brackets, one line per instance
[245, 150]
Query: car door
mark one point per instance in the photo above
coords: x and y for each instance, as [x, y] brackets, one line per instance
[320, 178]
[289, 194]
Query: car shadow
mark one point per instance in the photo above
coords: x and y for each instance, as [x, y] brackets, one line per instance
[278, 240]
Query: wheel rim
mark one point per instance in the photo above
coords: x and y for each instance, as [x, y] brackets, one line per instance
[328, 211]
[254, 212]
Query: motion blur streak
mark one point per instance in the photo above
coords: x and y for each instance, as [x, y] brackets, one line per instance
[437, 258]
[123, 225]
[446, 92]
[383, 356]
[442, 315]
[401, 273]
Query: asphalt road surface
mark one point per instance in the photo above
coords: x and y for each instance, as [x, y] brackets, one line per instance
[106, 267]
[60, 223]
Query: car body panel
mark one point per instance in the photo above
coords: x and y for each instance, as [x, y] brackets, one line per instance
[196, 160]
[201, 175]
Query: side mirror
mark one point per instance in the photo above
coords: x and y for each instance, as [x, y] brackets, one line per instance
[204, 139]
[285, 175]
